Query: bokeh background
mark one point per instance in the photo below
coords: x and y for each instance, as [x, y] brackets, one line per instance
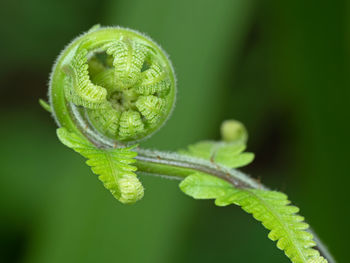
[281, 67]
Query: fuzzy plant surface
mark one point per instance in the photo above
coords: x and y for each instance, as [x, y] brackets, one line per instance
[112, 87]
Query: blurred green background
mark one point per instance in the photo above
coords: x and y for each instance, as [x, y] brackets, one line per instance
[280, 67]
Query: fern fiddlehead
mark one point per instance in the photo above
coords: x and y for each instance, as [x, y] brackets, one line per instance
[112, 87]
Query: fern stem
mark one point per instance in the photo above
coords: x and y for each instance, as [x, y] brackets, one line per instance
[176, 166]
[173, 164]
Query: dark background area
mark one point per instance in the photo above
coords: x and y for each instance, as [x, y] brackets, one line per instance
[280, 67]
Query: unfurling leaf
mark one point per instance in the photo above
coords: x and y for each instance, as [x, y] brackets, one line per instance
[113, 166]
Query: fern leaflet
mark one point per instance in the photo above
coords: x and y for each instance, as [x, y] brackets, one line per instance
[113, 166]
[271, 208]
[78, 87]
[228, 154]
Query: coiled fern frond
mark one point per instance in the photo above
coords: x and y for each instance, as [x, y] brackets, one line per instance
[112, 87]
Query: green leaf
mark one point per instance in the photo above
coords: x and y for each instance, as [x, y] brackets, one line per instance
[318, 260]
[46, 106]
[94, 28]
[232, 155]
[227, 154]
[113, 166]
[233, 130]
[271, 208]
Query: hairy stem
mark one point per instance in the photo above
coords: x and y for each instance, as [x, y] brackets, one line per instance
[178, 165]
